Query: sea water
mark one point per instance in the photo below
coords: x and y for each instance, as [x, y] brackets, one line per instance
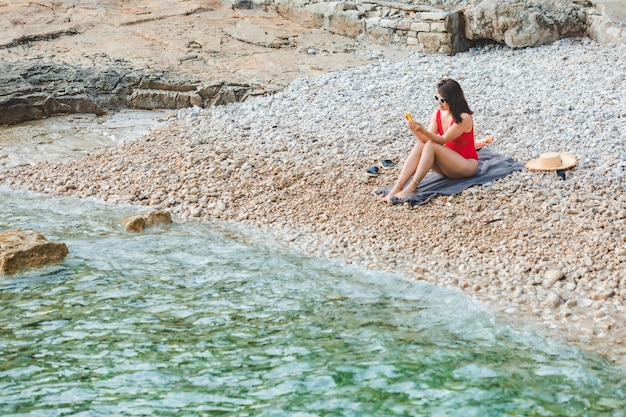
[215, 319]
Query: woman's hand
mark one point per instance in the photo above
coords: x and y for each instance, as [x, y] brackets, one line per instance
[414, 126]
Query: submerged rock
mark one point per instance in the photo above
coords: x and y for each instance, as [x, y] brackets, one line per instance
[138, 222]
[22, 249]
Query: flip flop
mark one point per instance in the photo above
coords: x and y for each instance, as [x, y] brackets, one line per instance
[372, 171]
[386, 163]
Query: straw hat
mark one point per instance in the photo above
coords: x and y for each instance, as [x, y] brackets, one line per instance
[551, 161]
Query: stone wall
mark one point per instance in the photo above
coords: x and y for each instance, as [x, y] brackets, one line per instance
[422, 28]
[433, 27]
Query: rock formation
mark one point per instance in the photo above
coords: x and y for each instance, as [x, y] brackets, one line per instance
[169, 55]
[164, 55]
[521, 24]
[32, 92]
[22, 249]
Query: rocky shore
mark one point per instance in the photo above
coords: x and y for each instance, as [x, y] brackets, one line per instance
[532, 247]
[97, 57]
[93, 57]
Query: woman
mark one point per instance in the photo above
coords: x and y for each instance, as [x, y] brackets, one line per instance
[447, 147]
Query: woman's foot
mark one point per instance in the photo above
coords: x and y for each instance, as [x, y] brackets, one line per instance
[407, 192]
[390, 195]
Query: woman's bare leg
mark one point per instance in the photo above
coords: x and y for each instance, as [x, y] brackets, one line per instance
[442, 160]
[451, 164]
[409, 167]
[424, 164]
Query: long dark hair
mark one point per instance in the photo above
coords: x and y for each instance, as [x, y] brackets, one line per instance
[453, 93]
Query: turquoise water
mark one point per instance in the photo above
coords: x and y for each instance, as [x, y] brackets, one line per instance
[215, 320]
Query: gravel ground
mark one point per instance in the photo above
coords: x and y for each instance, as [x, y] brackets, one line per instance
[532, 247]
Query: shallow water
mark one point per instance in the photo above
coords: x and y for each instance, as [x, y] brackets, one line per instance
[214, 319]
[62, 138]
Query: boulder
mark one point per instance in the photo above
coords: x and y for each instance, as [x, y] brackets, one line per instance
[607, 21]
[138, 222]
[21, 249]
[525, 23]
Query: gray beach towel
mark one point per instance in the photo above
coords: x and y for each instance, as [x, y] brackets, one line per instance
[491, 166]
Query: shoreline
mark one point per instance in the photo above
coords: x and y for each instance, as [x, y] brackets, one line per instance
[296, 161]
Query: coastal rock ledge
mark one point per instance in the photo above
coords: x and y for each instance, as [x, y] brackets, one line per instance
[250, 52]
[22, 249]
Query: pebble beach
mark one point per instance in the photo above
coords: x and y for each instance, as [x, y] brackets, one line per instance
[532, 247]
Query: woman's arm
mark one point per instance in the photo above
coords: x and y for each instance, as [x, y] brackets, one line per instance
[456, 130]
[414, 127]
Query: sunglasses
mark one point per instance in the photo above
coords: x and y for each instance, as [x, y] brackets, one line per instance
[441, 100]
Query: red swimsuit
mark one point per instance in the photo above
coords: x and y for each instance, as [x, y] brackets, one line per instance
[463, 145]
